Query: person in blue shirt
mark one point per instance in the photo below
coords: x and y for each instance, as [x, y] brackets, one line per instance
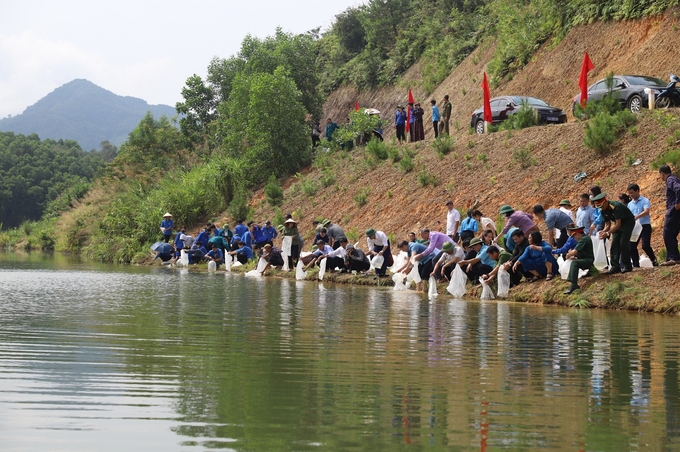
[243, 253]
[269, 232]
[508, 243]
[330, 128]
[641, 206]
[568, 246]
[179, 244]
[203, 237]
[256, 236]
[469, 226]
[226, 232]
[166, 227]
[435, 118]
[537, 258]
[322, 235]
[240, 229]
[477, 262]
[216, 255]
[554, 219]
[411, 122]
[426, 263]
[196, 253]
[585, 214]
[400, 123]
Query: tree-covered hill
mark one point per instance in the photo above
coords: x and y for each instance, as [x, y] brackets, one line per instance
[84, 112]
[41, 177]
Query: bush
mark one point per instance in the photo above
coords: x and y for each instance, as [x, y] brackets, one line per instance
[377, 148]
[273, 191]
[426, 178]
[669, 157]
[393, 154]
[327, 178]
[443, 145]
[522, 156]
[406, 164]
[603, 129]
[361, 197]
[525, 117]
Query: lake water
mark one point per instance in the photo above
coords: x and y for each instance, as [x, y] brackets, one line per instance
[108, 358]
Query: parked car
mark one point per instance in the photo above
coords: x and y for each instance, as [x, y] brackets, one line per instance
[502, 107]
[630, 90]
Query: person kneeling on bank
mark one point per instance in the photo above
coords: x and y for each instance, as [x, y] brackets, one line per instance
[215, 255]
[243, 253]
[582, 257]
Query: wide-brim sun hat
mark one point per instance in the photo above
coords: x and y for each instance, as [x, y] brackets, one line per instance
[370, 232]
[290, 220]
[167, 215]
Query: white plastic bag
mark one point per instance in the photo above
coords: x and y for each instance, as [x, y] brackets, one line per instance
[600, 253]
[183, 259]
[399, 279]
[377, 261]
[399, 260]
[564, 267]
[212, 266]
[286, 245]
[300, 272]
[458, 280]
[261, 264]
[646, 262]
[503, 282]
[432, 288]
[487, 293]
[228, 259]
[413, 275]
[322, 268]
[637, 230]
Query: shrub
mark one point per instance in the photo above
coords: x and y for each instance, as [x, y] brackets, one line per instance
[426, 178]
[377, 148]
[669, 157]
[309, 186]
[273, 191]
[327, 178]
[523, 158]
[443, 145]
[603, 129]
[406, 164]
[361, 197]
[394, 154]
[523, 118]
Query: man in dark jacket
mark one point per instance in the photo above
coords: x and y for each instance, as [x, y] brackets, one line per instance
[671, 222]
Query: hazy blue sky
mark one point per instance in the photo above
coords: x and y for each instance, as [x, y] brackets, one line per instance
[145, 49]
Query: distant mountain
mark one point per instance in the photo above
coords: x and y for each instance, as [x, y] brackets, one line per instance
[85, 112]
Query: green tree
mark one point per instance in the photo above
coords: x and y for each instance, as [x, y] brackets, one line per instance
[198, 109]
[265, 125]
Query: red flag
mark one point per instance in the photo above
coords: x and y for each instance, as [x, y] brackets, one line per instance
[488, 116]
[356, 106]
[408, 111]
[586, 67]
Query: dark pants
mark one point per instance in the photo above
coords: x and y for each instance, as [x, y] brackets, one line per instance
[563, 238]
[425, 269]
[620, 252]
[476, 271]
[242, 258]
[359, 266]
[167, 238]
[315, 141]
[387, 254]
[276, 261]
[645, 238]
[671, 229]
[466, 235]
[578, 264]
[435, 126]
[294, 255]
[412, 132]
[333, 262]
[444, 272]
[401, 136]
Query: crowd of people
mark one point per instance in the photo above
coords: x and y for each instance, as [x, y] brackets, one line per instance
[474, 243]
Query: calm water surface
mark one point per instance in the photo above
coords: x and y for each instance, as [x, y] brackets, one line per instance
[156, 359]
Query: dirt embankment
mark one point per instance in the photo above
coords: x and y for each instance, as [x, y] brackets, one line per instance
[362, 193]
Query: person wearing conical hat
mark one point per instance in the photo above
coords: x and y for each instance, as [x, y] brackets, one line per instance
[166, 227]
[290, 230]
[582, 256]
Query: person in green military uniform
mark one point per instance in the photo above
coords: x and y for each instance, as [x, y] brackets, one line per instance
[619, 223]
[582, 256]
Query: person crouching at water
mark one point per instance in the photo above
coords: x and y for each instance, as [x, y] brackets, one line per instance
[537, 258]
[272, 255]
[243, 253]
[477, 261]
[336, 258]
[322, 249]
[356, 260]
[196, 253]
[449, 258]
[215, 255]
[582, 256]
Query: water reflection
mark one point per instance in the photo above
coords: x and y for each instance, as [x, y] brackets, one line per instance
[95, 357]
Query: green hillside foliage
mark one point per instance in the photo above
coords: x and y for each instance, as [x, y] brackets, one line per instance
[373, 44]
[41, 176]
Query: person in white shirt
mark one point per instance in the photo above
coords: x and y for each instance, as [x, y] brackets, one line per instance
[452, 221]
[336, 258]
[450, 256]
[379, 244]
[322, 250]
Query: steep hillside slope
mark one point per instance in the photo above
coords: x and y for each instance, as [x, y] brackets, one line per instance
[645, 46]
[85, 112]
